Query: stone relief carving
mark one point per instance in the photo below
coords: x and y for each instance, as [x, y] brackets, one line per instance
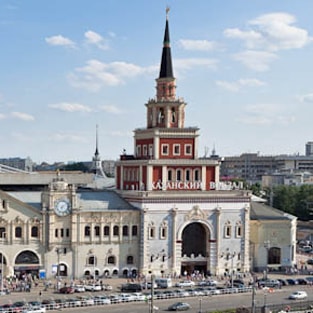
[195, 214]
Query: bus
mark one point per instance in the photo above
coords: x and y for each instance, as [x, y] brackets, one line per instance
[164, 282]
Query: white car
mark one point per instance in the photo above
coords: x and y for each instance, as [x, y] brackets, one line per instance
[93, 287]
[79, 288]
[102, 300]
[185, 283]
[35, 309]
[298, 295]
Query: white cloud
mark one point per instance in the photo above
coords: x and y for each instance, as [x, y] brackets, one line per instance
[271, 32]
[67, 137]
[239, 84]
[96, 74]
[197, 45]
[59, 40]
[256, 60]
[70, 107]
[186, 64]
[307, 98]
[2, 116]
[22, 116]
[110, 109]
[94, 38]
[266, 114]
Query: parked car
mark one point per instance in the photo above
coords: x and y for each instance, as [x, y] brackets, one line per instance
[185, 283]
[86, 301]
[107, 287]
[270, 283]
[93, 287]
[291, 281]
[309, 261]
[79, 288]
[101, 299]
[35, 309]
[67, 290]
[298, 295]
[179, 306]
[302, 281]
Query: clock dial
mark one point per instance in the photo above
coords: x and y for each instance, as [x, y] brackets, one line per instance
[62, 207]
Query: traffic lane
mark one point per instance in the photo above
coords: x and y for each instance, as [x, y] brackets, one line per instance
[206, 303]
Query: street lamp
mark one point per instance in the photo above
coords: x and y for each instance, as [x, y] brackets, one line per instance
[267, 245]
[2, 267]
[200, 305]
[58, 251]
[232, 269]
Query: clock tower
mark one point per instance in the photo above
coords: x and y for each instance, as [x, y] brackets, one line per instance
[58, 204]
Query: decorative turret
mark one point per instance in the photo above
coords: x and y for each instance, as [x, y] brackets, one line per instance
[166, 111]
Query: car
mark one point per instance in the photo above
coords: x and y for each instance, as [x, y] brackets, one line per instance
[93, 287]
[309, 261]
[298, 295]
[179, 306]
[102, 299]
[67, 290]
[35, 309]
[86, 301]
[107, 287]
[79, 288]
[185, 283]
[270, 283]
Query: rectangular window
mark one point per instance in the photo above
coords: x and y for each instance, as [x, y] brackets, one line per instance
[56, 233]
[138, 151]
[176, 149]
[163, 233]
[151, 150]
[151, 232]
[188, 149]
[145, 150]
[227, 231]
[62, 232]
[238, 231]
[164, 149]
[67, 232]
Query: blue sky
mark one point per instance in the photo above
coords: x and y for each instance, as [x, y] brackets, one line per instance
[244, 68]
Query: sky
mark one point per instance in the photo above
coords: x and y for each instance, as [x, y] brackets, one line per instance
[68, 68]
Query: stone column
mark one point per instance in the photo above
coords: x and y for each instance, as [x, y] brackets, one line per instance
[174, 238]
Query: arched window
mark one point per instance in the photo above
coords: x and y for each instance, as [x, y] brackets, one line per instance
[130, 259]
[2, 232]
[92, 260]
[111, 259]
[178, 175]
[34, 232]
[125, 230]
[169, 175]
[187, 175]
[116, 230]
[97, 231]
[134, 230]
[106, 231]
[274, 255]
[18, 232]
[87, 231]
[197, 175]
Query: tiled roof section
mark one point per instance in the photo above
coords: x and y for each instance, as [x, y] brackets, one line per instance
[102, 200]
[166, 70]
[89, 200]
[260, 211]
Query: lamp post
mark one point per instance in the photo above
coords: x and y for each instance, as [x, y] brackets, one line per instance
[200, 305]
[3, 235]
[58, 251]
[232, 269]
[267, 245]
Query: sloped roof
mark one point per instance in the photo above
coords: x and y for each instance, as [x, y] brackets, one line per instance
[88, 200]
[261, 211]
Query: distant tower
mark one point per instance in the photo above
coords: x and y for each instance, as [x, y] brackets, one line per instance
[96, 160]
[309, 148]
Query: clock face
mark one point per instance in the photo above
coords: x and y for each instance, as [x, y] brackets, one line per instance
[62, 207]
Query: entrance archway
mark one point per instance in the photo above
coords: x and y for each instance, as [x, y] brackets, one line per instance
[195, 238]
[27, 262]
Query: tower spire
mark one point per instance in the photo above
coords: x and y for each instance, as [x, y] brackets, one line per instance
[97, 151]
[166, 70]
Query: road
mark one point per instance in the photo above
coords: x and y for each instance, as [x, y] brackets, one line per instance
[204, 303]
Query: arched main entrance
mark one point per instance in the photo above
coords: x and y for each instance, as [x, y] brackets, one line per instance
[195, 238]
[27, 262]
